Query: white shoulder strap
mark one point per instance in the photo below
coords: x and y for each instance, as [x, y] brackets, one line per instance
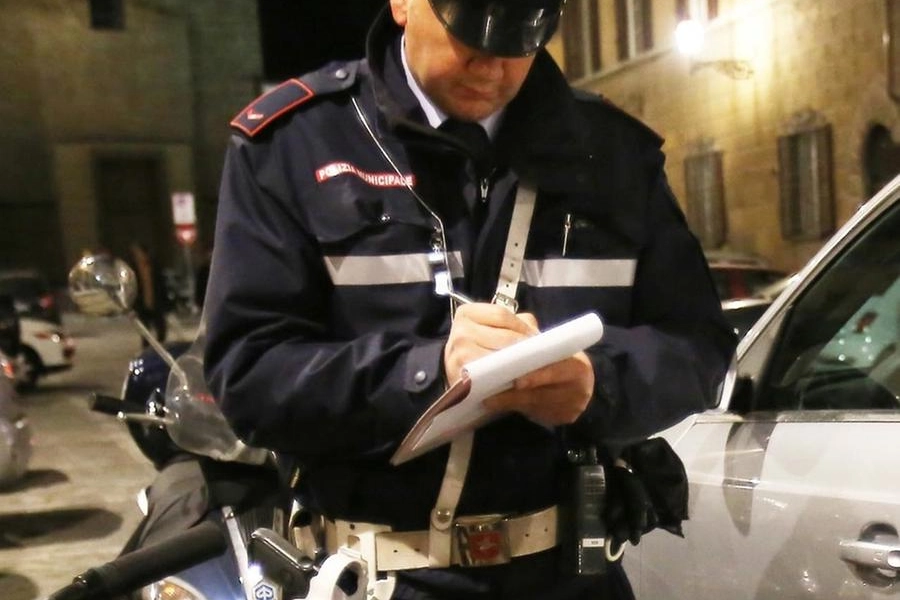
[440, 538]
[514, 255]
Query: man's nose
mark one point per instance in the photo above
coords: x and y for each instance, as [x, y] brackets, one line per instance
[486, 65]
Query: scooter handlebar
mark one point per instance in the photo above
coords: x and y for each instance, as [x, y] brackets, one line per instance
[136, 569]
[110, 405]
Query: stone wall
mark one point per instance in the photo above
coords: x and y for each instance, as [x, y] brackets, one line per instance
[821, 57]
[164, 86]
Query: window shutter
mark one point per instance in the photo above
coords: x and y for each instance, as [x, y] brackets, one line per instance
[706, 198]
[805, 179]
[893, 54]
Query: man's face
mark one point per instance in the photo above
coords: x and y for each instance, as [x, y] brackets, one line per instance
[462, 81]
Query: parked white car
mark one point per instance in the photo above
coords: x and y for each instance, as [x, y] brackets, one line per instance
[45, 348]
[15, 432]
[795, 475]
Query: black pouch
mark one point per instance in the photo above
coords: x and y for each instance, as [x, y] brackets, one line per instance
[646, 488]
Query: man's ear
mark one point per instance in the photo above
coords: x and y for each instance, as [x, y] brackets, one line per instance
[400, 11]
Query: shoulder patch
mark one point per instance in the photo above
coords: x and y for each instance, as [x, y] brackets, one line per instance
[271, 105]
[292, 93]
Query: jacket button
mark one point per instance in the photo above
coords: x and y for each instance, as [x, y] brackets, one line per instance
[420, 376]
[341, 73]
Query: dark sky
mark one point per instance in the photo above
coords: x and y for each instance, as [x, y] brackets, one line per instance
[300, 35]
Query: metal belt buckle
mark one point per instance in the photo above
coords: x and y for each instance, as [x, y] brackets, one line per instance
[482, 540]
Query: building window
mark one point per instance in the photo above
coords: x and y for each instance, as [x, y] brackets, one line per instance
[634, 27]
[581, 38]
[805, 184]
[107, 14]
[893, 55]
[706, 198]
[700, 10]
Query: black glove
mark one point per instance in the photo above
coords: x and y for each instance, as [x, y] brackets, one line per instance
[629, 508]
[646, 488]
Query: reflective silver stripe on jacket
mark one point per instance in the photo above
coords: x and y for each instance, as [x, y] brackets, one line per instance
[570, 272]
[386, 269]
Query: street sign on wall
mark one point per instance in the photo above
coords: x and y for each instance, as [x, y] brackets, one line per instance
[185, 217]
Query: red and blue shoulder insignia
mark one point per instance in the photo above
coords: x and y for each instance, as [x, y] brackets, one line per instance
[291, 94]
[271, 105]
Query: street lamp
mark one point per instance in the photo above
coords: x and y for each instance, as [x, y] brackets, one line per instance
[689, 38]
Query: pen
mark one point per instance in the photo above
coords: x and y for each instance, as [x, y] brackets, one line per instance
[567, 226]
[461, 298]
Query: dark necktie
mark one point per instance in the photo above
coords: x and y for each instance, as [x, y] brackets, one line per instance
[475, 139]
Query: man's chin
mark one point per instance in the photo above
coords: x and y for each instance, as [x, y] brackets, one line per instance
[470, 112]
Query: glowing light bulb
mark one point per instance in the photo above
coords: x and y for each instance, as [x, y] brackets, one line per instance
[689, 37]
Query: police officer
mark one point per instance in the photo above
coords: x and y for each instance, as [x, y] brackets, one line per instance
[356, 197]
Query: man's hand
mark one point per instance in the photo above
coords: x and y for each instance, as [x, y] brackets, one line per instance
[553, 395]
[556, 394]
[480, 329]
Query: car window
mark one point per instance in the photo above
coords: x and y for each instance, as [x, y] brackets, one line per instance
[759, 280]
[742, 282]
[21, 287]
[841, 343]
[720, 279]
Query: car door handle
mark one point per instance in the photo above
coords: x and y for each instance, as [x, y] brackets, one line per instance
[871, 554]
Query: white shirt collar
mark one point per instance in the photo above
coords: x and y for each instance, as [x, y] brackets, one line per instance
[434, 114]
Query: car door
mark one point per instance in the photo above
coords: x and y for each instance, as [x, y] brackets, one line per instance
[795, 478]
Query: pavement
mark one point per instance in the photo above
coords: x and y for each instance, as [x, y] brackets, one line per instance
[75, 508]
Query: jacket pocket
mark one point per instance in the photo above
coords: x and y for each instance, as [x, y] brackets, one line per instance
[343, 211]
[562, 231]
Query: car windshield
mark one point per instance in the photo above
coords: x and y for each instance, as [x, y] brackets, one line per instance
[841, 345]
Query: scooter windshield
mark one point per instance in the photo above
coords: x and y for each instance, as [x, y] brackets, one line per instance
[197, 423]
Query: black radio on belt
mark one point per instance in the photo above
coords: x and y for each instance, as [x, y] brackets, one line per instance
[583, 529]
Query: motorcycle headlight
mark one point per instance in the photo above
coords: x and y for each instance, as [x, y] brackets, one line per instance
[171, 588]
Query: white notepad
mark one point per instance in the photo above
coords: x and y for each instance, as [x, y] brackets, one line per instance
[461, 408]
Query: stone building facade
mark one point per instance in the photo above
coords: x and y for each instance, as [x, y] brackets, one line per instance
[776, 130]
[108, 107]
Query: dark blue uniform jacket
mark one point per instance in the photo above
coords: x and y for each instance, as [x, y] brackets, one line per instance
[326, 338]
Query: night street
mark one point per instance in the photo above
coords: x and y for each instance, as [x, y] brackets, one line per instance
[379, 208]
[76, 507]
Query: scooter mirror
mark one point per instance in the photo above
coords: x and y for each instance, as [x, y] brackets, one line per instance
[102, 286]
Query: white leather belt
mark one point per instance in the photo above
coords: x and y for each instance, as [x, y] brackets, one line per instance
[478, 541]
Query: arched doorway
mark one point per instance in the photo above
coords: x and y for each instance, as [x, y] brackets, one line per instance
[881, 158]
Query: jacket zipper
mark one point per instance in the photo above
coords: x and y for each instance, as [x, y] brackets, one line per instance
[484, 189]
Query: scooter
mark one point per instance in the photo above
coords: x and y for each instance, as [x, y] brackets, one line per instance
[205, 473]
[130, 572]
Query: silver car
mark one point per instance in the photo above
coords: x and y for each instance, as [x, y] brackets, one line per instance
[795, 476]
[15, 432]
